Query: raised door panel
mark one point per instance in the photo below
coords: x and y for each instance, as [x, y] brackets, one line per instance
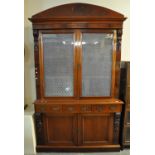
[61, 129]
[96, 129]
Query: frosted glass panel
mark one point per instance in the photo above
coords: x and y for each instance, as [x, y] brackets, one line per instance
[96, 64]
[58, 64]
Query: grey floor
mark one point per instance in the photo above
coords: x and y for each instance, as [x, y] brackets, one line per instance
[124, 152]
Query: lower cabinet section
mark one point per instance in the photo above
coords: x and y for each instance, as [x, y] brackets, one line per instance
[77, 131]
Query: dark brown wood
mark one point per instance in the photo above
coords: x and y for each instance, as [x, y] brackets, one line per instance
[41, 66]
[36, 56]
[116, 127]
[80, 107]
[78, 60]
[113, 65]
[80, 16]
[118, 59]
[77, 11]
[125, 96]
[126, 136]
[77, 123]
[75, 69]
[106, 148]
[39, 128]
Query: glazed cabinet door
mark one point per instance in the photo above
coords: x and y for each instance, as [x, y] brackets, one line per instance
[96, 129]
[57, 59]
[60, 129]
[97, 64]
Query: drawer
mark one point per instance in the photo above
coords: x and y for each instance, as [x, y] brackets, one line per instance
[41, 108]
[69, 108]
[99, 108]
[72, 108]
[48, 108]
[107, 108]
[86, 108]
[55, 108]
[114, 108]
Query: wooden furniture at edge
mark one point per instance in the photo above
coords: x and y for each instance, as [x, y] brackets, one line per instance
[77, 106]
[125, 96]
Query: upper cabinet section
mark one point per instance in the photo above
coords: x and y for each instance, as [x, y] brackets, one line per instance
[77, 12]
[77, 50]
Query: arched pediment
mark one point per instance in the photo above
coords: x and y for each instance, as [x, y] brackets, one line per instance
[78, 11]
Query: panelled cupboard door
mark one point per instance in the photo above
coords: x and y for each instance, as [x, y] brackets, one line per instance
[96, 129]
[60, 129]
